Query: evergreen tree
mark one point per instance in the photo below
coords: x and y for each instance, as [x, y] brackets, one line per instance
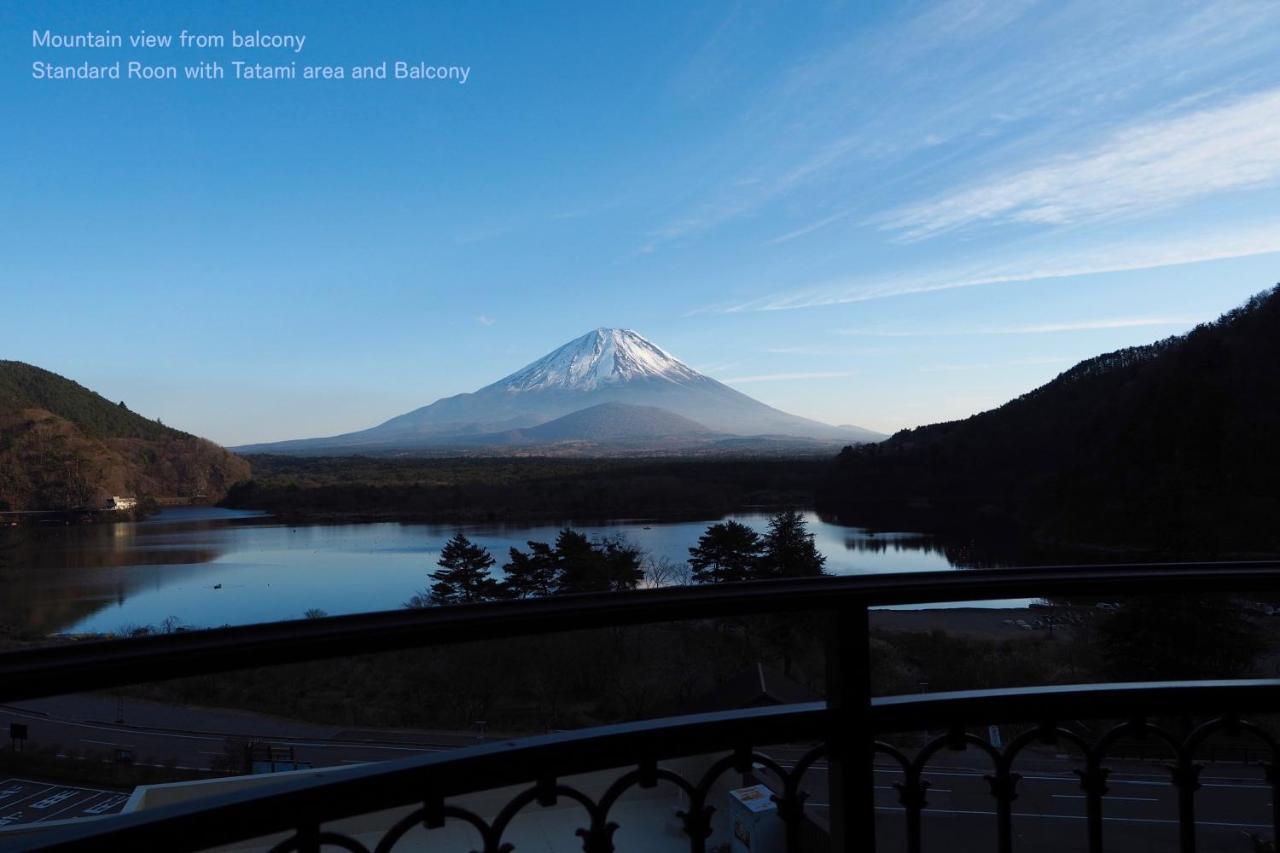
[789, 551]
[464, 574]
[726, 552]
[573, 564]
[531, 575]
[577, 563]
[622, 564]
[605, 566]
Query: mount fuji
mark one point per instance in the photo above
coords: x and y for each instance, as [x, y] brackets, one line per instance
[635, 392]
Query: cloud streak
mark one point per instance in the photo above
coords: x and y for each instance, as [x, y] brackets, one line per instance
[1146, 167]
[1176, 250]
[1017, 362]
[807, 229]
[789, 377]
[1035, 329]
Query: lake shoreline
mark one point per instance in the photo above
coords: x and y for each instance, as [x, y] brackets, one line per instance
[201, 566]
[329, 518]
[992, 623]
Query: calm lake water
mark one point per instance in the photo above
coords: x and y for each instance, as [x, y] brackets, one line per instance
[209, 567]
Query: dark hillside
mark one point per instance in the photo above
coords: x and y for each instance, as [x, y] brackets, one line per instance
[24, 386]
[1172, 447]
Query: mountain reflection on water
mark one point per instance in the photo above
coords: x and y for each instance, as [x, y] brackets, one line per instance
[52, 577]
[208, 567]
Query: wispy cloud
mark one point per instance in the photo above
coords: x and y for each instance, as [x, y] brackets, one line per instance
[789, 377]
[963, 20]
[744, 195]
[1017, 362]
[808, 229]
[856, 127]
[1035, 329]
[717, 367]
[1145, 167]
[1175, 250]
[485, 321]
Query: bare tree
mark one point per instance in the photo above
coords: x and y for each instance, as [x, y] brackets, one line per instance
[664, 571]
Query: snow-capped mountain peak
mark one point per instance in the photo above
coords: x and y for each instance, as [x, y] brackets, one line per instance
[610, 385]
[599, 358]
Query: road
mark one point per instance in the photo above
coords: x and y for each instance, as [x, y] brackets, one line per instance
[1139, 813]
[194, 738]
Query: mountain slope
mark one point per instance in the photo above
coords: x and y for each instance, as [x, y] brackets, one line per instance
[1170, 447]
[24, 386]
[613, 422]
[63, 446]
[602, 366]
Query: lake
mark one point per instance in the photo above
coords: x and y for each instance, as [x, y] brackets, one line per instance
[206, 567]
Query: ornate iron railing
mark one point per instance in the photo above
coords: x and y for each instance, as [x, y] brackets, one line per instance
[846, 733]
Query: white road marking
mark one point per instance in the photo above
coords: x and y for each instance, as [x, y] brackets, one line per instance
[40, 789]
[47, 786]
[221, 738]
[62, 802]
[1075, 781]
[1108, 798]
[980, 771]
[1105, 818]
[76, 806]
[54, 799]
[106, 806]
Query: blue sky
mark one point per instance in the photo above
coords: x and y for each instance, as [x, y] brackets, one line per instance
[875, 213]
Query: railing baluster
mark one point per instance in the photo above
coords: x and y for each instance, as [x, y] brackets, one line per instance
[911, 794]
[1093, 781]
[851, 777]
[1186, 778]
[309, 839]
[1004, 787]
[1272, 772]
[794, 842]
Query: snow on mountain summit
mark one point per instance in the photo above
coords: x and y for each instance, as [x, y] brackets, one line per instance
[610, 385]
[599, 358]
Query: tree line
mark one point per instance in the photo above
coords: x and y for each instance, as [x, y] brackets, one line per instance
[727, 552]
[471, 490]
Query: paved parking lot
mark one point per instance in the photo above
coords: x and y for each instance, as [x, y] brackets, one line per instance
[24, 801]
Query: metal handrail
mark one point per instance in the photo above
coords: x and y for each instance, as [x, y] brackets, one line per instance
[352, 791]
[844, 726]
[101, 664]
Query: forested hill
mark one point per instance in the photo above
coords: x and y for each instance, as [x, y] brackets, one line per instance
[1172, 447]
[63, 446]
[24, 386]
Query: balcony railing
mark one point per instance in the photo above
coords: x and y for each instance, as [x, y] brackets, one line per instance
[846, 734]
